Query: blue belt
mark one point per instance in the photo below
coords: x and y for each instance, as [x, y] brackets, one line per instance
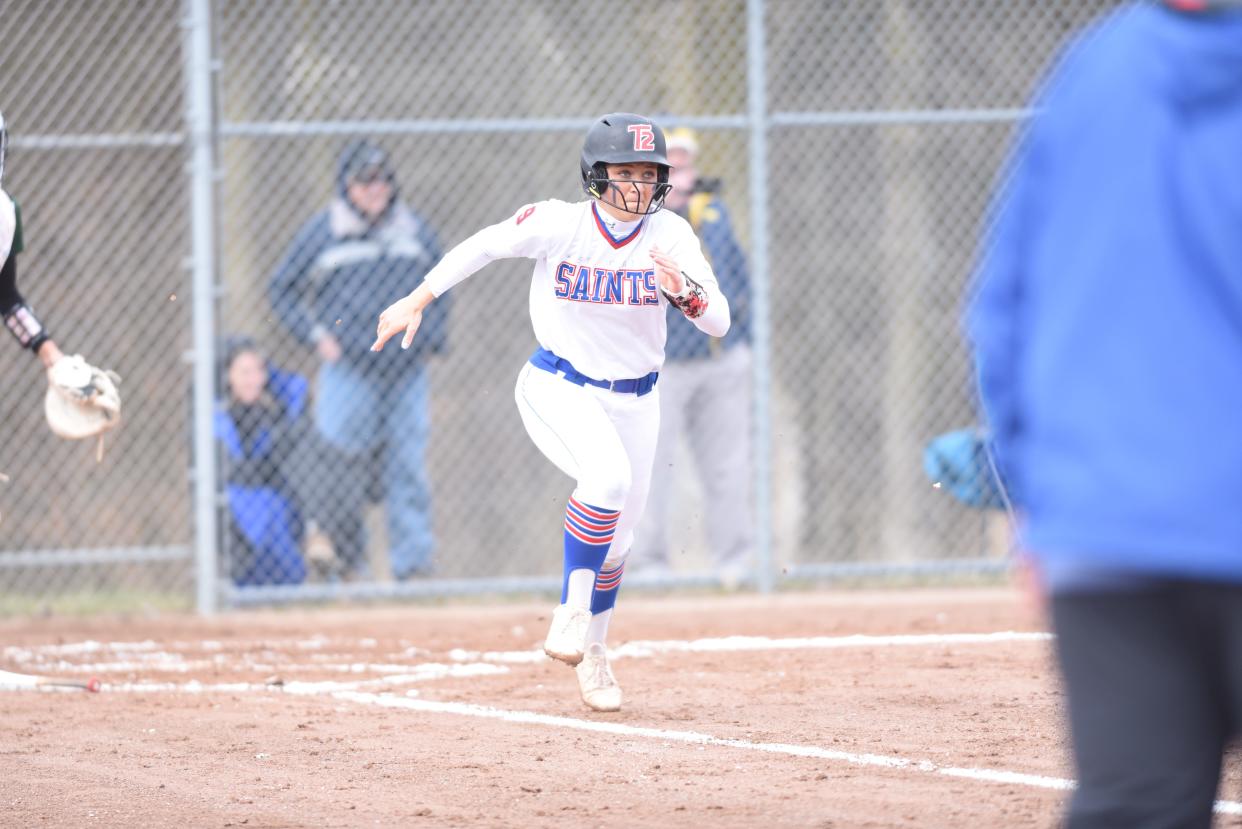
[548, 361]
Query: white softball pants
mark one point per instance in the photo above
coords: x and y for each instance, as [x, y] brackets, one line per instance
[604, 440]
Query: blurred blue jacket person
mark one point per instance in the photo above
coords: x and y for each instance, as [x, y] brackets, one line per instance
[256, 425]
[1108, 320]
[349, 260]
[1108, 333]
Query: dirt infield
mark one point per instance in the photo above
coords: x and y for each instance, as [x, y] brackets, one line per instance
[842, 709]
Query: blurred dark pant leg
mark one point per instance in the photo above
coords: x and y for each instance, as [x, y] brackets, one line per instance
[329, 486]
[1144, 709]
[1230, 602]
[377, 476]
[239, 555]
[348, 412]
[341, 510]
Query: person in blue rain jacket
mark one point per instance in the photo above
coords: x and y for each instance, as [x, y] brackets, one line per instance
[257, 427]
[1107, 328]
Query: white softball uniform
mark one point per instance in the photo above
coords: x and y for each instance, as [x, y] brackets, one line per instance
[595, 301]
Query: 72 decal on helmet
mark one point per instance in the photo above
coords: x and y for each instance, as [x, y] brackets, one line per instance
[644, 137]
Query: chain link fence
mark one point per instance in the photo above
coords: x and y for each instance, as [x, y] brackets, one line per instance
[168, 153]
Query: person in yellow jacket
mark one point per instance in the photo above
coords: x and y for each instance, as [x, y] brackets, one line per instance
[705, 391]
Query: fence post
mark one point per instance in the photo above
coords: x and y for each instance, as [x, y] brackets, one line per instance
[757, 117]
[201, 171]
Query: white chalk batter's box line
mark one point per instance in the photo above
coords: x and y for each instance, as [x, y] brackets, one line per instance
[1226, 807]
[473, 663]
[238, 657]
[166, 657]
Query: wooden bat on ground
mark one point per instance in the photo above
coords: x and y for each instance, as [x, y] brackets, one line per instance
[8, 679]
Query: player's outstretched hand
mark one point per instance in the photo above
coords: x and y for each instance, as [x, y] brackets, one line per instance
[406, 314]
[667, 272]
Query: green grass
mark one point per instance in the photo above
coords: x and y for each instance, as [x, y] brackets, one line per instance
[91, 602]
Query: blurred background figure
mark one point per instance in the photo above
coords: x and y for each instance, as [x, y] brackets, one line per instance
[705, 384]
[349, 261]
[257, 425]
[82, 400]
[1108, 334]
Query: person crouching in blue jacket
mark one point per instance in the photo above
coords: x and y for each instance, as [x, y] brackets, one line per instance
[256, 429]
[354, 256]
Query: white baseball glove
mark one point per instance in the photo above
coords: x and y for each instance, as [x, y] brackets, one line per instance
[82, 400]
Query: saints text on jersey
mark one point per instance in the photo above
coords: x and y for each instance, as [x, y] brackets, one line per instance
[583, 283]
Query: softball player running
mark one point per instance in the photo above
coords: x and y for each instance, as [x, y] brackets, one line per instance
[605, 271]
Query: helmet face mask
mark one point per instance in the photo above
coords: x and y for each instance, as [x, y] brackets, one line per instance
[624, 138]
[623, 193]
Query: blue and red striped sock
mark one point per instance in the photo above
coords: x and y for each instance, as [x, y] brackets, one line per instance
[588, 534]
[606, 588]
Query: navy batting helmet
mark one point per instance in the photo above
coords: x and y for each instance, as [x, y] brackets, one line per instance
[620, 138]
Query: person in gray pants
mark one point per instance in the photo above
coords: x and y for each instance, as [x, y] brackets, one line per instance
[705, 396]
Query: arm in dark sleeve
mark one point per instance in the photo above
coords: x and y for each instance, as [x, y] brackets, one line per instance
[19, 318]
[9, 296]
[288, 289]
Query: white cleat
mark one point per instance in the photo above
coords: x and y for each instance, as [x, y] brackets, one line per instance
[599, 687]
[567, 635]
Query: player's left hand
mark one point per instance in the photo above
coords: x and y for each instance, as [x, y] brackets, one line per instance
[667, 272]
